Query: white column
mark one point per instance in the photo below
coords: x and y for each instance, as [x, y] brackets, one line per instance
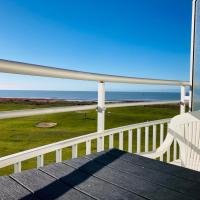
[192, 52]
[17, 167]
[190, 99]
[182, 106]
[58, 155]
[74, 151]
[40, 161]
[101, 115]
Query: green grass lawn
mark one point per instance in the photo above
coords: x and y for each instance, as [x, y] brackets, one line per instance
[21, 134]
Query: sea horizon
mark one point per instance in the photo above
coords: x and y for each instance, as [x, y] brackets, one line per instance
[90, 95]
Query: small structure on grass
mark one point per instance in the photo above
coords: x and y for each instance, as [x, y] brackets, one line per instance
[46, 124]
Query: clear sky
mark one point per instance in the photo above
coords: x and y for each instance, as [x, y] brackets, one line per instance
[140, 38]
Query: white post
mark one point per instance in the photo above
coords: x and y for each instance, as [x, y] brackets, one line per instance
[58, 155]
[190, 99]
[154, 137]
[17, 167]
[192, 53]
[74, 151]
[101, 115]
[182, 106]
[40, 161]
[88, 147]
[130, 141]
[121, 140]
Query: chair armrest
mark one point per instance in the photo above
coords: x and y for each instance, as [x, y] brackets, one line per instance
[162, 149]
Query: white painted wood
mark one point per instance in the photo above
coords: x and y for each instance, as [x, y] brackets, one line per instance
[111, 139]
[88, 147]
[121, 140]
[168, 155]
[130, 141]
[115, 105]
[161, 138]
[40, 161]
[185, 128]
[154, 137]
[100, 144]
[53, 110]
[101, 115]
[138, 140]
[192, 52]
[39, 70]
[74, 151]
[28, 154]
[175, 149]
[17, 167]
[58, 155]
[182, 104]
[42, 111]
[146, 139]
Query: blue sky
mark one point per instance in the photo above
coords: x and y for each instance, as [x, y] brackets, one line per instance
[140, 38]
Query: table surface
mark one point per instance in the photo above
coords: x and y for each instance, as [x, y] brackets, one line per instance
[110, 175]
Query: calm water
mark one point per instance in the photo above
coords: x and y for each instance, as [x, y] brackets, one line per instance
[84, 96]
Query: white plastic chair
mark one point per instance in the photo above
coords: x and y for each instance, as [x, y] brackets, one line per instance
[185, 128]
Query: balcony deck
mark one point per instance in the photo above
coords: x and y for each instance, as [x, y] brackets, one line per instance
[112, 174]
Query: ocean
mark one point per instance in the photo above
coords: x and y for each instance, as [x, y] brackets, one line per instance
[90, 95]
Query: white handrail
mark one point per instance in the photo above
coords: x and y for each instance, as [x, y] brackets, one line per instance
[53, 110]
[25, 155]
[115, 105]
[41, 111]
[39, 70]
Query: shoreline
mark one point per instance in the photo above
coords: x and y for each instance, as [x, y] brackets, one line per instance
[51, 100]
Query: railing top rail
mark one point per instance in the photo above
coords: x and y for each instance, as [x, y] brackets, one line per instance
[39, 70]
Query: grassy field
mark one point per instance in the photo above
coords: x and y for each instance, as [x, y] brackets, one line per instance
[21, 134]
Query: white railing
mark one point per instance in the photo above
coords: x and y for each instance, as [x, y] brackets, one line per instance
[138, 129]
[38, 70]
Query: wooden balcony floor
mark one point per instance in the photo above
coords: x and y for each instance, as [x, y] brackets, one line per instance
[107, 175]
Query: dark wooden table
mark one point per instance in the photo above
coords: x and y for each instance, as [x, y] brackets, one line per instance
[107, 175]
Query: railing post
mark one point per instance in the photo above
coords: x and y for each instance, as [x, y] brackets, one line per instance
[182, 105]
[190, 98]
[101, 115]
[74, 151]
[58, 155]
[88, 147]
[40, 161]
[17, 167]
[130, 141]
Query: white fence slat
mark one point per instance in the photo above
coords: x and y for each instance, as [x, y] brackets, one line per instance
[88, 147]
[100, 144]
[74, 151]
[121, 140]
[130, 141]
[138, 140]
[175, 149]
[17, 167]
[168, 155]
[111, 141]
[146, 139]
[40, 161]
[58, 155]
[161, 137]
[154, 137]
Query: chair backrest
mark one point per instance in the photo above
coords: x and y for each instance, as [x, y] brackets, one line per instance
[185, 128]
